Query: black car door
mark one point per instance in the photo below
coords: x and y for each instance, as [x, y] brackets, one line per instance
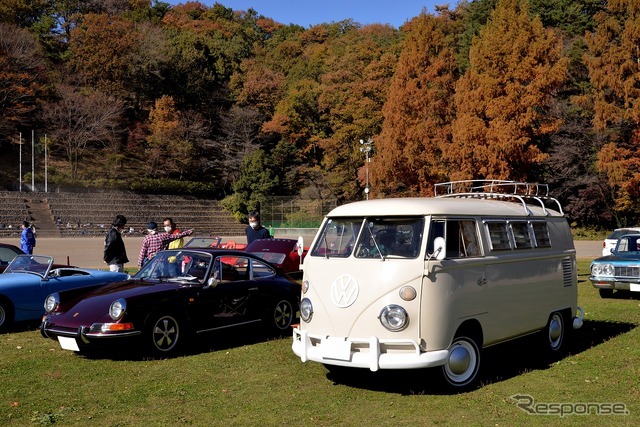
[227, 300]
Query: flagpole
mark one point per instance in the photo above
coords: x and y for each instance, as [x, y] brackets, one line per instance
[20, 168]
[33, 160]
[45, 162]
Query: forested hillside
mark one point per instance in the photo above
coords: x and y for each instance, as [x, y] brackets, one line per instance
[141, 95]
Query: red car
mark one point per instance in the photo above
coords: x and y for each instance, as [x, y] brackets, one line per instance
[283, 253]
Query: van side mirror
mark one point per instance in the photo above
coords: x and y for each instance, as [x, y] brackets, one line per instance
[300, 246]
[439, 248]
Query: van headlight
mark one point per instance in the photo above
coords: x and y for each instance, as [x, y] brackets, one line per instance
[51, 302]
[394, 318]
[117, 309]
[603, 270]
[306, 309]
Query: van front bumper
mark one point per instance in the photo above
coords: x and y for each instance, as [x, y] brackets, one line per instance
[372, 353]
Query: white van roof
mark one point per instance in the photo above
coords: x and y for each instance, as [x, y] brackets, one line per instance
[413, 206]
[466, 197]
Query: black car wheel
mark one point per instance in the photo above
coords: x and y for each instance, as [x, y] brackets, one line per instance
[282, 316]
[164, 334]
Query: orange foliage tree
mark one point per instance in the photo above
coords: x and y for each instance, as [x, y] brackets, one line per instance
[613, 62]
[418, 111]
[102, 49]
[169, 152]
[503, 100]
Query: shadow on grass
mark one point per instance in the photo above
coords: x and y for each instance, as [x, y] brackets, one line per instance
[135, 350]
[500, 363]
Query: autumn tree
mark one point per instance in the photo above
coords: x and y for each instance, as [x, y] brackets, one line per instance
[101, 50]
[418, 111]
[334, 96]
[23, 75]
[80, 121]
[612, 61]
[502, 101]
[168, 152]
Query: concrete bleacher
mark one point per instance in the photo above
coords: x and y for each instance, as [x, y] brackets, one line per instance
[13, 210]
[91, 214]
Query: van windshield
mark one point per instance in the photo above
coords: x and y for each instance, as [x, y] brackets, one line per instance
[379, 237]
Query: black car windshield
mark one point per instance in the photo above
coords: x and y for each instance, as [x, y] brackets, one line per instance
[177, 265]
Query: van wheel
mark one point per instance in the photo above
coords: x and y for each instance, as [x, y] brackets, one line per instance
[605, 293]
[463, 364]
[554, 333]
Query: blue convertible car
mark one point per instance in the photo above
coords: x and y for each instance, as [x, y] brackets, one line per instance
[619, 271]
[28, 279]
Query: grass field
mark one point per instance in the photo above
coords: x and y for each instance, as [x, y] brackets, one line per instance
[246, 381]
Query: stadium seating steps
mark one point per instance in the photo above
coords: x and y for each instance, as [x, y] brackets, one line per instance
[91, 214]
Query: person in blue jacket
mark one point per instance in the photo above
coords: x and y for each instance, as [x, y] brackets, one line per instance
[27, 238]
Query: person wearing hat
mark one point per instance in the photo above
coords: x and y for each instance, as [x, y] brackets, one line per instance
[115, 253]
[155, 242]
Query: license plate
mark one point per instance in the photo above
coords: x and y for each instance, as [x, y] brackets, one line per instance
[68, 343]
[336, 348]
[634, 287]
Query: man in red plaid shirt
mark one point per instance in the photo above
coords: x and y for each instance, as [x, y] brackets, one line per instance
[154, 242]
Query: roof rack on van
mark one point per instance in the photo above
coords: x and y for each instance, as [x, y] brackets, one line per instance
[499, 189]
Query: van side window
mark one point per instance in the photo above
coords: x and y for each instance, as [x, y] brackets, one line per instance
[498, 235]
[461, 237]
[521, 237]
[541, 234]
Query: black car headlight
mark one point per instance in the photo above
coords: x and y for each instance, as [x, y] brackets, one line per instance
[603, 270]
[306, 309]
[394, 318]
[52, 302]
[117, 309]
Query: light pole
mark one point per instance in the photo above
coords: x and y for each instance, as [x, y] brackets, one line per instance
[366, 148]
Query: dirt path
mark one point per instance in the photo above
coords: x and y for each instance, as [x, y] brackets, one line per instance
[85, 251]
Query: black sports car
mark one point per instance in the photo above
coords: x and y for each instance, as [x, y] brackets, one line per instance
[179, 293]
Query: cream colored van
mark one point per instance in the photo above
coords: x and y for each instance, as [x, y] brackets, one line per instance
[429, 282]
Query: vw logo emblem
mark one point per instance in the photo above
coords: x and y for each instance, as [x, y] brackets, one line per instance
[344, 291]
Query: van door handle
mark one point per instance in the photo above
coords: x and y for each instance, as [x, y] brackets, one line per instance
[482, 281]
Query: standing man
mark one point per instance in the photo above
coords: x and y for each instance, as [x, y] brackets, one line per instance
[255, 230]
[27, 238]
[171, 228]
[115, 254]
[155, 242]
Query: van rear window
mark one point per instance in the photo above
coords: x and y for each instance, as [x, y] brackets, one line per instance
[541, 234]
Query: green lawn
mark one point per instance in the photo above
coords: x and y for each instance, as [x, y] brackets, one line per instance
[251, 382]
